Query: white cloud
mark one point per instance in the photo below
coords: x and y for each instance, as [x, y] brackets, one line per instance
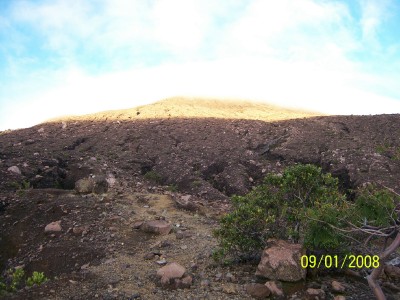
[297, 85]
[179, 24]
[373, 15]
[293, 53]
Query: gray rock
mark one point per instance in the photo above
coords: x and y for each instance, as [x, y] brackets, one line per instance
[14, 169]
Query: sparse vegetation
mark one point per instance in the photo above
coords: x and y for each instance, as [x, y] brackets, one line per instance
[172, 188]
[389, 150]
[37, 278]
[304, 205]
[196, 183]
[153, 176]
[279, 209]
[25, 184]
[12, 280]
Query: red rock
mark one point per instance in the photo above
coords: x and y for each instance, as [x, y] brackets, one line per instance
[186, 202]
[53, 227]
[183, 283]
[337, 286]
[157, 226]
[315, 294]
[171, 271]
[281, 261]
[137, 224]
[257, 290]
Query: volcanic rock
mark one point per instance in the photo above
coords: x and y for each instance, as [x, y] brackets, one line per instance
[281, 261]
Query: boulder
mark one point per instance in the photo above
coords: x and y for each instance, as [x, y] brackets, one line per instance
[186, 202]
[161, 227]
[257, 290]
[172, 276]
[281, 261]
[53, 227]
[14, 169]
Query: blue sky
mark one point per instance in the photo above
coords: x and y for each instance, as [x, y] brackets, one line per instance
[61, 57]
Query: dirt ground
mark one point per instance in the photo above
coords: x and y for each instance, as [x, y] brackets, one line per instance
[152, 162]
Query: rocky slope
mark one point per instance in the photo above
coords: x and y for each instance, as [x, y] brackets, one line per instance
[156, 159]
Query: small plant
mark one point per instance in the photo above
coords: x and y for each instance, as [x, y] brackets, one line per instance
[388, 150]
[25, 184]
[196, 183]
[172, 188]
[153, 176]
[11, 281]
[381, 149]
[14, 185]
[37, 278]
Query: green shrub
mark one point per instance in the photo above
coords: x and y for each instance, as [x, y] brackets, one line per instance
[37, 278]
[373, 206]
[11, 281]
[303, 205]
[284, 206]
[153, 176]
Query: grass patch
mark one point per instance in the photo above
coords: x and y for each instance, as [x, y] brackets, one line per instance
[153, 176]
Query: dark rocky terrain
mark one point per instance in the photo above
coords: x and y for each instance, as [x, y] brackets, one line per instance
[150, 164]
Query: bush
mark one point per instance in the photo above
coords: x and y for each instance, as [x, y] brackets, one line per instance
[153, 176]
[304, 205]
[11, 280]
[280, 208]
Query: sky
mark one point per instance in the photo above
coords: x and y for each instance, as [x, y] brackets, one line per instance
[63, 57]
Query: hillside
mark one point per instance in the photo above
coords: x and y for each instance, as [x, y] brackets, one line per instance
[185, 107]
[154, 158]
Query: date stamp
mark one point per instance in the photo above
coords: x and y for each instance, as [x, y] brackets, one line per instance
[333, 261]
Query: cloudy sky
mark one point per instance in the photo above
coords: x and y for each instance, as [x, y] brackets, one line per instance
[62, 57]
